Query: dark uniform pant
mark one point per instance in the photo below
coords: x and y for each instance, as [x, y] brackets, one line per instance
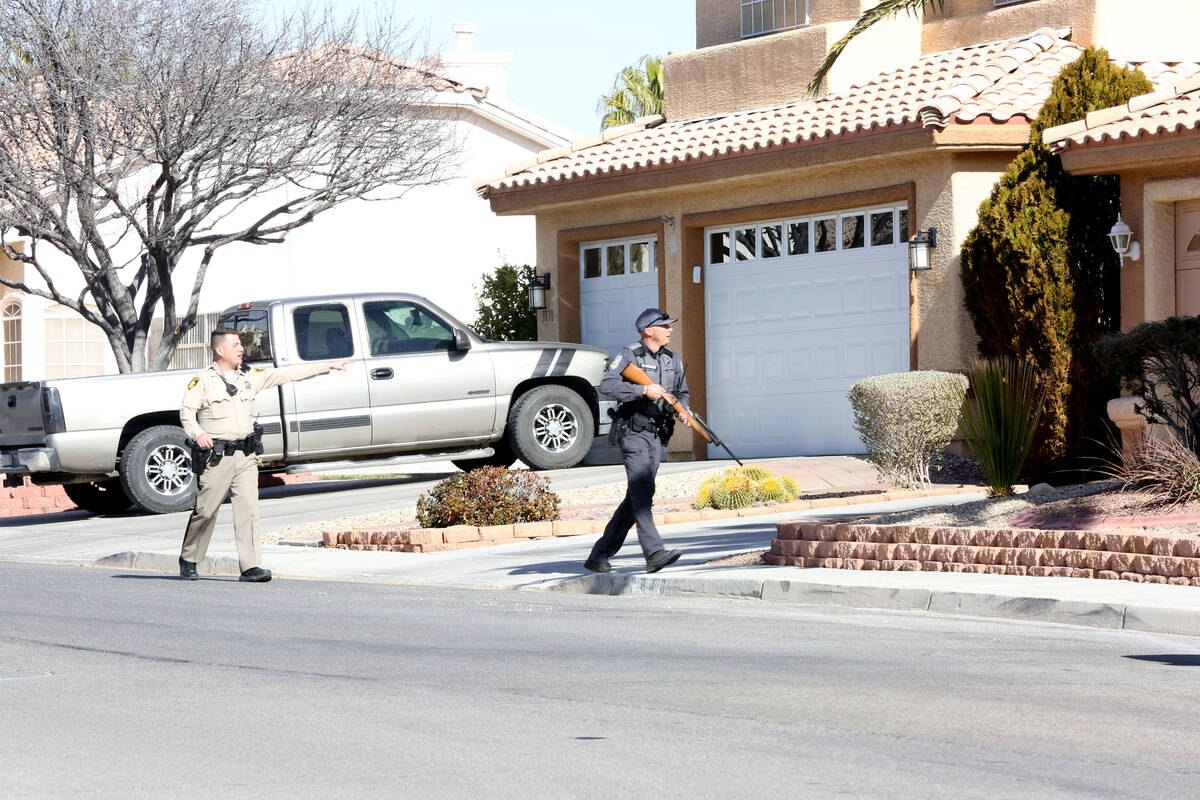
[642, 453]
[237, 475]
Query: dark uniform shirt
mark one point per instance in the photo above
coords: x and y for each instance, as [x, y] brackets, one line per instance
[664, 368]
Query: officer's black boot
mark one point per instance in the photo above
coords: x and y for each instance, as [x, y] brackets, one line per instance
[256, 575]
[187, 570]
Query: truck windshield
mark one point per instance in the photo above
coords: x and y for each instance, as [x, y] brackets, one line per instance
[251, 325]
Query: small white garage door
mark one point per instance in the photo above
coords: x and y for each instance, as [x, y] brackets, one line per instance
[797, 310]
[617, 281]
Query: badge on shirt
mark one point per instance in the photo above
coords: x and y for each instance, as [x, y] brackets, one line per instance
[192, 385]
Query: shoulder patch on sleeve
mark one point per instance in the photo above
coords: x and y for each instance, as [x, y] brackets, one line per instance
[192, 385]
[260, 369]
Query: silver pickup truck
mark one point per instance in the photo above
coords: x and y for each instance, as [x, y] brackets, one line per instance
[420, 386]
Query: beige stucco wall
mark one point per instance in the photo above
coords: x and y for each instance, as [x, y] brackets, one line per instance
[775, 69]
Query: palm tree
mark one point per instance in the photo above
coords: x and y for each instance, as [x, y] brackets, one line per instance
[877, 13]
[637, 92]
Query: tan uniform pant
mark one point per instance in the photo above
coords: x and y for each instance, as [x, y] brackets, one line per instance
[235, 474]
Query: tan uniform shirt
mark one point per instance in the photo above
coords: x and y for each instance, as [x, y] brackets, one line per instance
[209, 408]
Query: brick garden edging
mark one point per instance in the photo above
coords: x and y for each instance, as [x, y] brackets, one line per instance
[27, 499]
[459, 537]
[1069, 554]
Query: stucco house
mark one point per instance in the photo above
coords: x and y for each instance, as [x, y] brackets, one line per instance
[1153, 144]
[435, 240]
[778, 227]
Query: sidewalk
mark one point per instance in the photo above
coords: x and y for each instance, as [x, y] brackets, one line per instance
[556, 565]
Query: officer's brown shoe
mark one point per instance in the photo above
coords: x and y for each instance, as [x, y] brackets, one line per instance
[663, 558]
[256, 575]
[598, 565]
[187, 570]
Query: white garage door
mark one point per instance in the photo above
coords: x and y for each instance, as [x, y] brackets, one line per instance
[797, 310]
[618, 280]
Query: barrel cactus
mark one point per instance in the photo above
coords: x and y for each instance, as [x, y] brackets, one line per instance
[734, 491]
[703, 497]
[754, 472]
[772, 489]
[791, 485]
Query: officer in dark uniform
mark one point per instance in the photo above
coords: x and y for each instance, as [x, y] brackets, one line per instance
[643, 424]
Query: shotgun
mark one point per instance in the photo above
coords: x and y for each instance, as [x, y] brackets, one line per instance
[637, 375]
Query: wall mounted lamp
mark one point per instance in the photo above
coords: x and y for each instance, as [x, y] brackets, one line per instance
[919, 247]
[538, 287]
[669, 221]
[1121, 237]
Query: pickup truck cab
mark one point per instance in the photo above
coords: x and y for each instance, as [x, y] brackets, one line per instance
[420, 385]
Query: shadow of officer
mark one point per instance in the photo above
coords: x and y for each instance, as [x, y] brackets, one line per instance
[643, 425]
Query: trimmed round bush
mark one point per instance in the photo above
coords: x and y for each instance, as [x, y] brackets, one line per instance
[906, 418]
[488, 496]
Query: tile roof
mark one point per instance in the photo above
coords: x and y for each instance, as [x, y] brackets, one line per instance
[991, 83]
[1173, 108]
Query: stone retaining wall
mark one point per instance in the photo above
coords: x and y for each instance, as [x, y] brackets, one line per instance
[28, 499]
[1173, 559]
[429, 540]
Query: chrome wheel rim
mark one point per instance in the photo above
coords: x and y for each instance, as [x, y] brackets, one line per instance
[169, 469]
[555, 428]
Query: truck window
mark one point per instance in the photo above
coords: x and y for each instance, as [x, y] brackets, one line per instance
[252, 328]
[323, 332]
[399, 326]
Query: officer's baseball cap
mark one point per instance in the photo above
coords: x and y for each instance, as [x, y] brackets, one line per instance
[652, 317]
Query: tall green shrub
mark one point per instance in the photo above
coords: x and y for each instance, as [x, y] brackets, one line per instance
[503, 311]
[1000, 422]
[1040, 278]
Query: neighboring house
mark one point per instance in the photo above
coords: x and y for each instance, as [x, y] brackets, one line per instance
[777, 227]
[435, 240]
[1153, 144]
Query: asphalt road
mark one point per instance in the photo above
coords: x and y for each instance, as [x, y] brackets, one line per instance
[133, 685]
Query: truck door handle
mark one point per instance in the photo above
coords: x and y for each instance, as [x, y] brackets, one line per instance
[381, 374]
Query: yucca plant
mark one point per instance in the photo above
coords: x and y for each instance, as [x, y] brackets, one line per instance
[1000, 423]
[1167, 467]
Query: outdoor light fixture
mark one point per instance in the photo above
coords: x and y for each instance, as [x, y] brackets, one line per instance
[1123, 243]
[919, 247]
[665, 220]
[537, 291]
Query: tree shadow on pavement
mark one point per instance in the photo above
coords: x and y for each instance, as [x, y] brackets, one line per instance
[1171, 659]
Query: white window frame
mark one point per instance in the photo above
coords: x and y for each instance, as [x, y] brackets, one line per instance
[811, 219]
[624, 242]
[192, 352]
[770, 16]
[61, 317]
[8, 321]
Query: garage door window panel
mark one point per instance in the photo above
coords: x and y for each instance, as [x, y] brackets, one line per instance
[798, 236]
[591, 262]
[882, 228]
[718, 247]
[615, 260]
[639, 257]
[853, 236]
[771, 240]
[825, 235]
[746, 244]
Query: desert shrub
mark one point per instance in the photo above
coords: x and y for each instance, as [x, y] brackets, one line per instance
[999, 425]
[1159, 363]
[1041, 281]
[738, 487]
[906, 418]
[503, 311]
[488, 496]
[1165, 466]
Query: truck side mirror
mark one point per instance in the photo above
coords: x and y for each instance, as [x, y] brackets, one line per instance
[462, 342]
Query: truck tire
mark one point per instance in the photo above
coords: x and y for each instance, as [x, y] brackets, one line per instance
[504, 457]
[156, 470]
[550, 427]
[105, 497]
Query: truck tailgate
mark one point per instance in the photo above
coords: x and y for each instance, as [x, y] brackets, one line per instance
[21, 419]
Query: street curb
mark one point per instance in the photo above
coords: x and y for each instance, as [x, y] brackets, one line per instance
[1141, 617]
[164, 562]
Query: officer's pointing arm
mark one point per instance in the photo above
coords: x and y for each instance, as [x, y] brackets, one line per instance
[266, 378]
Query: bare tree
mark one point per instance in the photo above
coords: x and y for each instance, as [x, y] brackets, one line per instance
[135, 131]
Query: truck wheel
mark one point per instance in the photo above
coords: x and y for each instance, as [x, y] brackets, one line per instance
[550, 427]
[504, 457]
[106, 497]
[156, 470]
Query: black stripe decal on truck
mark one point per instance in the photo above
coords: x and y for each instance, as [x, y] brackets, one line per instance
[564, 362]
[543, 364]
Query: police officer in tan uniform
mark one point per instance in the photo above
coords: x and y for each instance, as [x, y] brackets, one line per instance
[218, 409]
